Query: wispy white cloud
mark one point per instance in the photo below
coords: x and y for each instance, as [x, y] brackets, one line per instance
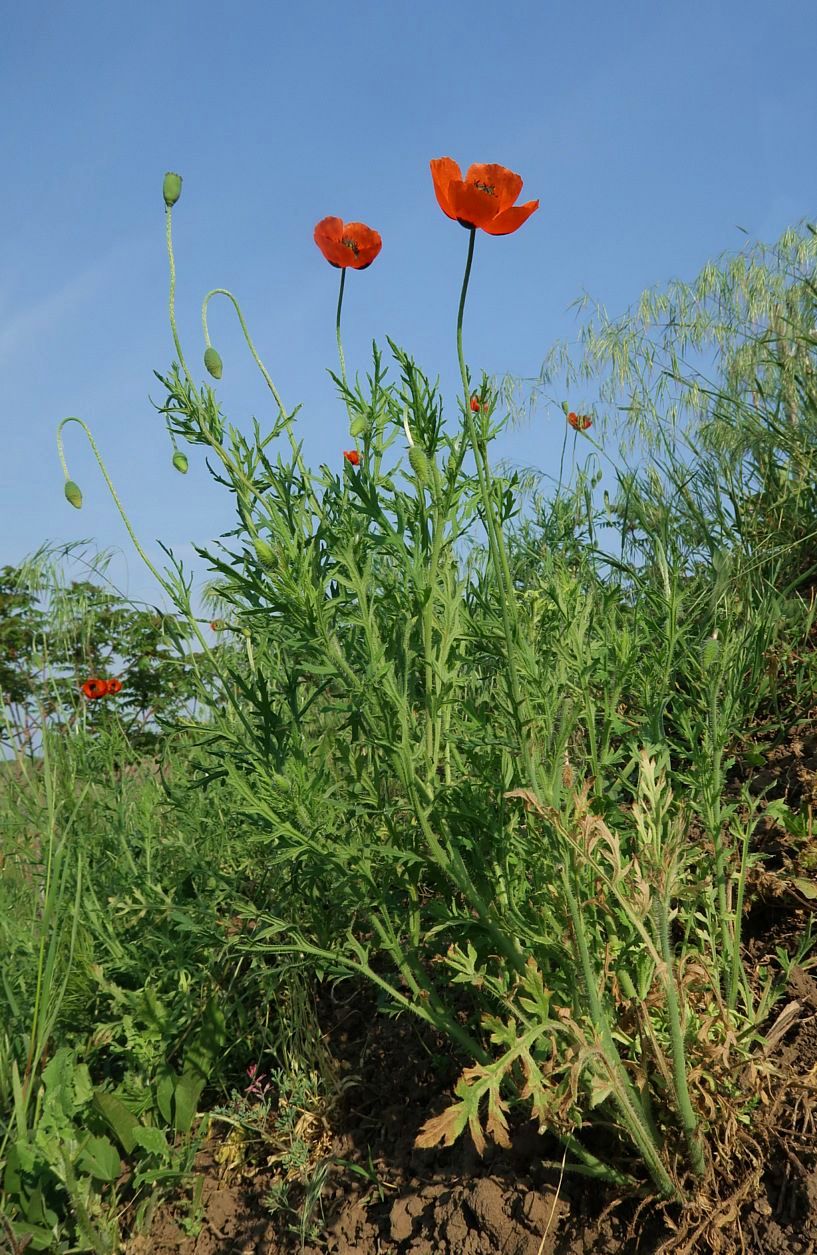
[20, 327]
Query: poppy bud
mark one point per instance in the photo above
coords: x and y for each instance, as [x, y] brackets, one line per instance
[73, 494]
[180, 462]
[710, 653]
[420, 464]
[172, 188]
[264, 552]
[358, 426]
[212, 362]
[352, 456]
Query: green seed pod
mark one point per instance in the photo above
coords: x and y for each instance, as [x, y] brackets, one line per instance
[212, 362]
[172, 188]
[180, 462]
[420, 464]
[73, 494]
[264, 552]
[710, 653]
[358, 427]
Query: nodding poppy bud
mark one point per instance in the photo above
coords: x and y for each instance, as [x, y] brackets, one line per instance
[352, 456]
[172, 188]
[180, 462]
[420, 464]
[358, 426]
[212, 362]
[264, 552]
[73, 494]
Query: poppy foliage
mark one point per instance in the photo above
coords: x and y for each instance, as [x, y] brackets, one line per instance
[485, 198]
[347, 244]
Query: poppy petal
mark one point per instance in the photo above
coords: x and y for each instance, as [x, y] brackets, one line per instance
[327, 235]
[471, 206]
[367, 244]
[506, 185]
[511, 219]
[444, 170]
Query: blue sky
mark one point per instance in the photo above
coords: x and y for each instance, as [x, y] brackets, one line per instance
[650, 132]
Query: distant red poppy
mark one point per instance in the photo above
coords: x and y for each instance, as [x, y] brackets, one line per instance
[114, 686]
[484, 198]
[579, 422]
[477, 405]
[347, 243]
[94, 688]
[352, 456]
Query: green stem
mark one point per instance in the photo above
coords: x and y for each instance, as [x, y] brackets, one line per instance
[183, 605]
[496, 543]
[337, 325]
[256, 358]
[296, 451]
[688, 1118]
[111, 488]
[625, 1096]
[460, 314]
[172, 298]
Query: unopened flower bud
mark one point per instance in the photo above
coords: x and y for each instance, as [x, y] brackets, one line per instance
[73, 494]
[420, 464]
[358, 426]
[212, 362]
[180, 462]
[172, 188]
[264, 552]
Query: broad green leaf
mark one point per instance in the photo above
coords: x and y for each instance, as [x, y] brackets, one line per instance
[121, 1119]
[100, 1159]
[151, 1139]
[185, 1098]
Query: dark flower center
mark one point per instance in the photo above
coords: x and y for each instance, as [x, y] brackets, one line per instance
[487, 188]
[352, 244]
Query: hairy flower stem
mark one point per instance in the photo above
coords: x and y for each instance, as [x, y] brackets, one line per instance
[624, 1094]
[728, 942]
[496, 540]
[296, 448]
[337, 325]
[172, 297]
[161, 581]
[679, 1074]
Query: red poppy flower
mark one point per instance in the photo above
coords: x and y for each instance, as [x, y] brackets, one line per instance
[347, 243]
[94, 688]
[477, 405]
[114, 686]
[352, 456]
[579, 422]
[484, 198]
